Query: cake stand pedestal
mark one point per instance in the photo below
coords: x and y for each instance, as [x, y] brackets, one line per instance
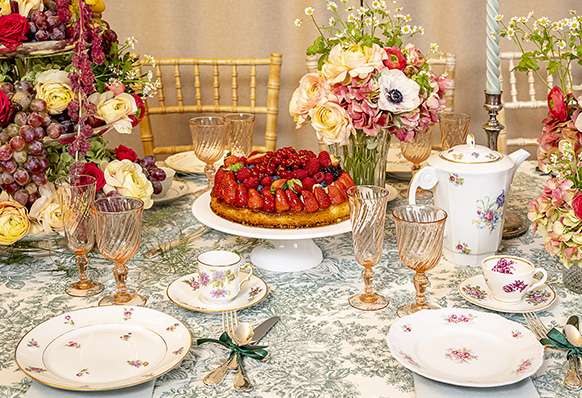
[286, 250]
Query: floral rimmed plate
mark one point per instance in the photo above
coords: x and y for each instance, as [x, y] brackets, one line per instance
[103, 348]
[176, 191]
[184, 293]
[475, 290]
[465, 347]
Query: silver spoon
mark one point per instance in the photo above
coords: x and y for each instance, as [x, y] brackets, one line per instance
[573, 380]
[243, 334]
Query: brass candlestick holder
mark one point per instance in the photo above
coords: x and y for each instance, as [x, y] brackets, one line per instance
[514, 225]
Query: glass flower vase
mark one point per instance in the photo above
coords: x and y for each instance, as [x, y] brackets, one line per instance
[572, 278]
[364, 157]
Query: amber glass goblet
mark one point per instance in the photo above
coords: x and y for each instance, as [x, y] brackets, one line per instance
[118, 231]
[419, 233]
[209, 137]
[240, 129]
[417, 151]
[367, 214]
[454, 129]
[76, 193]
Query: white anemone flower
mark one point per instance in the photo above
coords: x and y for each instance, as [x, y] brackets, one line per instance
[398, 93]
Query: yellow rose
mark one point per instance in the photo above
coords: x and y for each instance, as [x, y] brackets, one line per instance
[26, 6]
[331, 123]
[54, 87]
[311, 91]
[355, 61]
[128, 179]
[115, 109]
[14, 222]
[46, 210]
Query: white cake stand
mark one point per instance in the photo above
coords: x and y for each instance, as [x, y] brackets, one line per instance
[290, 250]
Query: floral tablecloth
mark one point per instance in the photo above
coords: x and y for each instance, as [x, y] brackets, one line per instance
[321, 346]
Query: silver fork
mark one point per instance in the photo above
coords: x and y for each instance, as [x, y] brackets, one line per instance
[572, 378]
[229, 322]
[241, 380]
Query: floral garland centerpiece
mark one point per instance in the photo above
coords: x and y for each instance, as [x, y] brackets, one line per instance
[367, 87]
[54, 110]
[557, 213]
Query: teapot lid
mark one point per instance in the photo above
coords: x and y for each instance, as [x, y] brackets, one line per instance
[471, 153]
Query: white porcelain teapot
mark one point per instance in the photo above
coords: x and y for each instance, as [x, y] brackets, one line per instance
[472, 185]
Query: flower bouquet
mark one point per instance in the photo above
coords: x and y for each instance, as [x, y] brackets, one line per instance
[367, 88]
[55, 108]
[557, 213]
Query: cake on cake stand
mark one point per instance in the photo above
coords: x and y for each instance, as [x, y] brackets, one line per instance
[289, 250]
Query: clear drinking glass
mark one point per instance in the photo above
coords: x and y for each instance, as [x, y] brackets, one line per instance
[454, 129]
[417, 151]
[76, 193]
[419, 233]
[118, 232]
[209, 137]
[367, 214]
[240, 127]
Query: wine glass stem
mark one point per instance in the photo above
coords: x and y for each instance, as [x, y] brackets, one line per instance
[368, 276]
[209, 171]
[82, 266]
[420, 283]
[120, 272]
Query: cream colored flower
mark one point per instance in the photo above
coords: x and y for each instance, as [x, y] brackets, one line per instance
[398, 93]
[54, 87]
[312, 90]
[26, 6]
[46, 210]
[128, 179]
[5, 7]
[14, 222]
[355, 61]
[115, 109]
[331, 123]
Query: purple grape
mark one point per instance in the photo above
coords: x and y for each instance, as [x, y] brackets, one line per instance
[11, 188]
[6, 178]
[57, 34]
[20, 156]
[33, 197]
[157, 187]
[21, 176]
[35, 119]
[44, 164]
[55, 130]
[9, 166]
[46, 119]
[27, 132]
[31, 187]
[39, 133]
[17, 143]
[68, 125]
[34, 148]
[35, 15]
[33, 165]
[41, 35]
[42, 22]
[158, 174]
[38, 105]
[148, 161]
[23, 85]
[53, 20]
[21, 197]
[20, 118]
[40, 178]
[5, 152]
[7, 87]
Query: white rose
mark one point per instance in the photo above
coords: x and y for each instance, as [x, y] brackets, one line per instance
[46, 210]
[55, 88]
[128, 179]
[115, 109]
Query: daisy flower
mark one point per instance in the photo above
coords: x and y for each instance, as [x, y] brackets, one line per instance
[309, 11]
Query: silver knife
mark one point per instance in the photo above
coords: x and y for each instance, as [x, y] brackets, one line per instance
[218, 374]
[167, 246]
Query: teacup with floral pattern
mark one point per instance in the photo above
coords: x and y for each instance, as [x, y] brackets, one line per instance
[509, 278]
[219, 275]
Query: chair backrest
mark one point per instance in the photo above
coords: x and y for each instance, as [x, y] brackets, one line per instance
[443, 64]
[513, 101]
[198, 105]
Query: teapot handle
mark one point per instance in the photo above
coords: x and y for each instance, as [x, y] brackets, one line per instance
[425, 178]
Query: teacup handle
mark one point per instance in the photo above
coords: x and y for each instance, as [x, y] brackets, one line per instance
[425, 178]
[541, 281]
[248, 278]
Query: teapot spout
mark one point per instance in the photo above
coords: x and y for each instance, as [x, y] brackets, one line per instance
[518, 157]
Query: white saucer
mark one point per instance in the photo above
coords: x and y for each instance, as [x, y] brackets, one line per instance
[392, 192]
[176, 191]
[183, 293]
[476, 291]
[188, 163]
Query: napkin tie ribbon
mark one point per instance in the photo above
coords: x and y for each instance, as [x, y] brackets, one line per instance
[253, 351]
[557, 339]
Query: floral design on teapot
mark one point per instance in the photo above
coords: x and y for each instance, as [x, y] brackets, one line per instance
[489, 213]
[463, 248]
[456, 180]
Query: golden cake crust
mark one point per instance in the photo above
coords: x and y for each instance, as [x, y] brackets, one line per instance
[287, 220]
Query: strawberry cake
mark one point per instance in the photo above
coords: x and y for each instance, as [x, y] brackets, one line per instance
[282, 189]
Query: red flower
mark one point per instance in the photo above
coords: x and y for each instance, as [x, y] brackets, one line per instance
[94, 171]
[13, 28]
[123, 152]
[577, 206]
[6, 110]
[135, 119]
[395, 59]
[557, 104]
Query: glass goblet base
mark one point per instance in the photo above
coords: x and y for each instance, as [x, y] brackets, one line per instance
[84, 289]
[409, 309]
[368, 302]
[129, 299]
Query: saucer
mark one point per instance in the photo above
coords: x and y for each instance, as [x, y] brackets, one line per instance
[475, 290]
[183, 292]
[177, 190]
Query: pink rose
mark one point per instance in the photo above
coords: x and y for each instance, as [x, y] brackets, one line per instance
[117, 88]
[557, 104]
[92, 170]
[395, 59]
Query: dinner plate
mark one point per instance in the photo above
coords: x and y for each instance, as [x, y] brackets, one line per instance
[103, 348]
[176, 191]
[475, 290]
[184, 293]
[392, 192]
[465, 347]
[188, 163]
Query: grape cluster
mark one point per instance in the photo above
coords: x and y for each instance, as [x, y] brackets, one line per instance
[154, 174]
[46, 25]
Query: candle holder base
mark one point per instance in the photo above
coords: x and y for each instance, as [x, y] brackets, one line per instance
[493, 106]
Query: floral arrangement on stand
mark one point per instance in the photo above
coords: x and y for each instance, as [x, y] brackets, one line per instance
[54, 110]
[557, 213]
[367, 88]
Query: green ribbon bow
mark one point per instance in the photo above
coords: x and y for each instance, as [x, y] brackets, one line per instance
[557, 339]
[253, 351]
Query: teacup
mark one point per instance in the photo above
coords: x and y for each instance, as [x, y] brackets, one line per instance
[510, 278]
[219, 275]
[167, 182]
